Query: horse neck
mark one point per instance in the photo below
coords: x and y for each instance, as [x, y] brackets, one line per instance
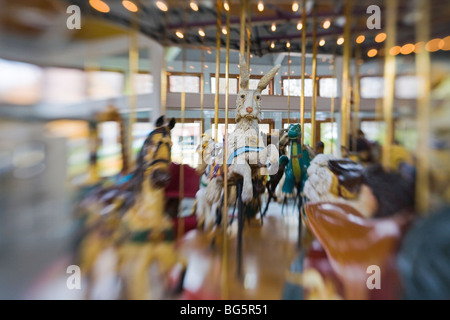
[148, 209]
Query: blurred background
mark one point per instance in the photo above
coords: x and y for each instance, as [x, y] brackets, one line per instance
[72, 98]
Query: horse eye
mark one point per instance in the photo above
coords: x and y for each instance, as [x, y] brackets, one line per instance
[258, 97]
[242, 96]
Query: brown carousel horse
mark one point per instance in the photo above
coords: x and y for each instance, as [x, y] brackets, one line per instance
[125, 228]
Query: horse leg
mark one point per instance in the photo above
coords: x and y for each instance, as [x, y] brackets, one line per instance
[243, 169]
[300, 202]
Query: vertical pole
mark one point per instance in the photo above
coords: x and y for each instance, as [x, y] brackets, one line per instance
[423, 66]
[133, 70]
[345, 102]
[389, 79]
[289, 86]
[225, 172]
[218, 43]
[333, 76]
[302, 95]
[356, 97]
[314, 76]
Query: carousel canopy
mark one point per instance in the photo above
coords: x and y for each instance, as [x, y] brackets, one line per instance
[271, 29]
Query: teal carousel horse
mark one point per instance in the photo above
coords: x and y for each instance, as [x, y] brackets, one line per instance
[296, 168]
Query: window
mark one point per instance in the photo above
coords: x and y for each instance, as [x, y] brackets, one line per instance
[232, 84]
[293, 86]
[372, 87]
[185, 139]
[143, 83]
[110, 151]
[64, 86]
[407, 87]
[20, 83]
[191, 83]
[374, 130]
[105, 84]
[253, 84]
[328, 87]
[329, 135]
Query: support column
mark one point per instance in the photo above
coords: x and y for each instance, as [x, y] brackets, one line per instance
[157, 69]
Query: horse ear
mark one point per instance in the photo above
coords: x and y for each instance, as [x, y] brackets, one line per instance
[172, 123]
[159, 122]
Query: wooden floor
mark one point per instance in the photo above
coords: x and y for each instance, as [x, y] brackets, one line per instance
[268, 251]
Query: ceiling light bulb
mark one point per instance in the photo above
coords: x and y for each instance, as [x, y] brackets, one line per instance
[179, 34]
[201, 32]
[274, 27]
[193, 5]
[295, 6]
[226, 5]
[326, 24]
[162, 5]
[99, 5]
[272, 45]
[360, 39]
[340, 41]
[130, 5]
[322, 42]
[260, 6]
[299, 26]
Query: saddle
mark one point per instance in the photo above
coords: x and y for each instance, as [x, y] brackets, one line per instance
[348, 176]
[353, 243]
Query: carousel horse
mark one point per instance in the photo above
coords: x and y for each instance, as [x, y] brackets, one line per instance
[126, 233]
[208, 169]
[358, 217]
[298, 163]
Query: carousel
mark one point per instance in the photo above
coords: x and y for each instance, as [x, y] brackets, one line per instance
[225, 150]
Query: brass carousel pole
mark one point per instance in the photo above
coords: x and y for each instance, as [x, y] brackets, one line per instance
[202, 88]
[249, 31]
[423, 66]
[164, 76]
[314, 76]
[289, 85]
[183, 108]
[389, 79]
[242, 51]
[345, 102]
[333, 76]
[133, 70]
[90, 66]
[225, 172]
[218, 43]
[302, 95]
[356, 97]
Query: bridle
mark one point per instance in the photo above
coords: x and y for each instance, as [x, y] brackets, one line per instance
[164, 132]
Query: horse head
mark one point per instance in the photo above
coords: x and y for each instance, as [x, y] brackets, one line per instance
[154, 158]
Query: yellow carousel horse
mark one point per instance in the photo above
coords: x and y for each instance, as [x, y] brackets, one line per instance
[126, 230]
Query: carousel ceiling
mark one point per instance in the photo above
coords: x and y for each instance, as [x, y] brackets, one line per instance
[163, 26]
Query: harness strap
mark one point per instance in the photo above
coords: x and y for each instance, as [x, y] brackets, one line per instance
[242, 150]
